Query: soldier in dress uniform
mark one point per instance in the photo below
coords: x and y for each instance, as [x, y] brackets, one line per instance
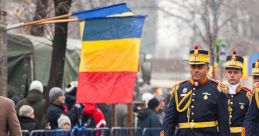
[238, 95]
[198, 106]
[252, 117]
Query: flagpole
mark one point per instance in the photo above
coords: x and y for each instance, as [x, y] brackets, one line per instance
[59, 21]
[36, 22]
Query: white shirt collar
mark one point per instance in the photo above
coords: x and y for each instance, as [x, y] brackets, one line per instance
[233, 88]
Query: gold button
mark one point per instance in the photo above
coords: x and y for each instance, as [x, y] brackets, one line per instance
[193, 100]
[192, 106]
[192, 113]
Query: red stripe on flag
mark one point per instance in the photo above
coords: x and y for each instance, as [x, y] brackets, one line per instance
[105, 87]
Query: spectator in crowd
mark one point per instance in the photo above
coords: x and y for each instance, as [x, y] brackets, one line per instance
[9, 122]
[26, 118]
[146, 97]
[96, 114]
[35, 100]
[57, 107]
[161, 112]
[15, 99]
[64, 122]
[70, 94]
[147, 118]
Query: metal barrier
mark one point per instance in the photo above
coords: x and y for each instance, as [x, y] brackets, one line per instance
[124, 131]
[25, 133]
[50, 133]
[151, 131]
[115, 131]
[92, 132]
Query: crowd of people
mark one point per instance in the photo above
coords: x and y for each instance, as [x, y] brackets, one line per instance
[62, 110]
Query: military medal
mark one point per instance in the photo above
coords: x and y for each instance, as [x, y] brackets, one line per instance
[242, 106]
[185, 90]
[205, 97]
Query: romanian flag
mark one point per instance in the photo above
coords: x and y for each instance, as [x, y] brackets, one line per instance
[109, 59]
[108, 11]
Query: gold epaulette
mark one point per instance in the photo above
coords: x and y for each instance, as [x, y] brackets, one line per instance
[179, 104]
[223, 88]
[256, 92]
[176, 86]
[249, 93]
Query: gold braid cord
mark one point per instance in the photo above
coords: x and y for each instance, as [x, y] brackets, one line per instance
[179, 104]
[256, 92]
[222, 88]
[249, 95]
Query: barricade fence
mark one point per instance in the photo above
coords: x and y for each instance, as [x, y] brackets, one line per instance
[114, 131]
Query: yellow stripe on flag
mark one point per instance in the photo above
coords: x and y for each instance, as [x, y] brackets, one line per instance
[81, 26]
[245, 71]
[110, 55]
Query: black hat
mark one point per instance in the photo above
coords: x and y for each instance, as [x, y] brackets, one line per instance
[234, 61]
[153, 103]
[255, 68]
[198, 56]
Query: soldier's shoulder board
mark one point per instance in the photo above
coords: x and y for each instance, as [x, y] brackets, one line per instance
[215, 81]
[221, 87]
[176, 85]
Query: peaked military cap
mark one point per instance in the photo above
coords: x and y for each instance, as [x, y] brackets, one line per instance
[234, 61]
[255, 68]
[198, 56]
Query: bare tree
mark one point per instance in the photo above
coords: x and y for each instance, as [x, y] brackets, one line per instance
[205, 17]
[40, 13]
[3, 52]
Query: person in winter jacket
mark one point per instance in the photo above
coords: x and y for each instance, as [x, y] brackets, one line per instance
[35, 100]
[90, 109]
[70, 94]
[147, 118]
[57, 107]
[26, 118]
[9, 123]
[64, 122]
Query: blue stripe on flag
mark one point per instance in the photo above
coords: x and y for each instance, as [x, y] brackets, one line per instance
[113, 28]
[102, 12]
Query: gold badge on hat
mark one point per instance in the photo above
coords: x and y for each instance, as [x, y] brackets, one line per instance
[196, 52]
[233, 59]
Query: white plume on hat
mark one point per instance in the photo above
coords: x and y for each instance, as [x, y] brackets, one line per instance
[36, 85]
